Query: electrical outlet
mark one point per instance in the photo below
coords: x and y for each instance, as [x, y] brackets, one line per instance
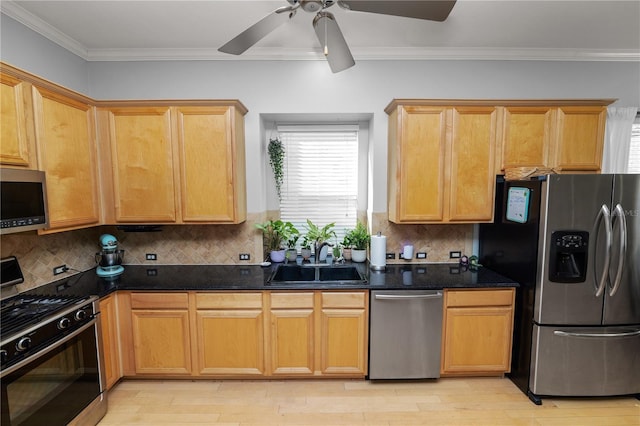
[401, 255]
[152, 256]
[245, 256]
[391, 256]
[421, 255]
[60, 269]
[455, 254]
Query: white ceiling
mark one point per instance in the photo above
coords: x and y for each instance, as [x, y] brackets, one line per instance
[476, 29]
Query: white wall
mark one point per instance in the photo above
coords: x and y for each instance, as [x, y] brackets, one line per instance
[294, 87]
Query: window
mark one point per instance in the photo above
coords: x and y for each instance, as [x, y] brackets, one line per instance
[320, 176]
[634, 150]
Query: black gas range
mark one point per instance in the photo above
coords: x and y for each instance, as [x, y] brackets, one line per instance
[30, 323]
[51, 368]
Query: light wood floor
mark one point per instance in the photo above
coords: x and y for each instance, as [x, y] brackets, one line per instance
[464, 401]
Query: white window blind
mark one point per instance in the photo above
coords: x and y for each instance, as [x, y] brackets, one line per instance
[634, 150]
[320, 176]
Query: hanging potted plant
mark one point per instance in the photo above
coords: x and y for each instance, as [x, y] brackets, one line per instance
[359, 238]
[275, 234]
[276, 160]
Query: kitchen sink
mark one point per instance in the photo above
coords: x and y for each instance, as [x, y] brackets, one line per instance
[325, 274]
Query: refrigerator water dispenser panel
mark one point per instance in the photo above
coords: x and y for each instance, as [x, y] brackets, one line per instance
[568, 256]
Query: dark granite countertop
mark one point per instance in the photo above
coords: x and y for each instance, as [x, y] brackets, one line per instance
[255, 277]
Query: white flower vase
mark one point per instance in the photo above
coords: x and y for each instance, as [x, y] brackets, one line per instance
[358, 255]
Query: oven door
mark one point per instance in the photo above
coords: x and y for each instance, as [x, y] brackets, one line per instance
[55, 385]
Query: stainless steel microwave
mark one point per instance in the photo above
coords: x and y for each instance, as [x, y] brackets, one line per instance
[24, 201]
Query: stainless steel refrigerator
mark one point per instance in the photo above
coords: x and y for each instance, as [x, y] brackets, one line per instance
[573, 244]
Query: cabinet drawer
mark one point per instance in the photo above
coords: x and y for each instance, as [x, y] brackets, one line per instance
[229, 300]
[291, 300]
[159, 300]
[503, 297]
[343, 299]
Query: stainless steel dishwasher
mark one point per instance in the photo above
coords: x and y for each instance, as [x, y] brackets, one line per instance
[405, 334]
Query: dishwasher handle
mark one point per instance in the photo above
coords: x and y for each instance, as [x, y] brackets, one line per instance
[436, 295]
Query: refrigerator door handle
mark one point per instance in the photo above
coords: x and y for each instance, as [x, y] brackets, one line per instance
[603, 214]
[631, 333]
[619, 211]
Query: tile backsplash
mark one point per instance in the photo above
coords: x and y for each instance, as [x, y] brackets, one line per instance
[436, 240]
[201, 244]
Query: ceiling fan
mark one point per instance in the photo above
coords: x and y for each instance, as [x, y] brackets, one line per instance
[335, 47]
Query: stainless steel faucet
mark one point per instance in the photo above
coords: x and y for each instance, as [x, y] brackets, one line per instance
[317, 247]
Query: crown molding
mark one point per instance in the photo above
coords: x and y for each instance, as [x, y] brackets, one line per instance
[31, 21]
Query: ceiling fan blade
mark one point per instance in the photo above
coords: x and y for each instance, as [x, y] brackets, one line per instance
[432, 10]
[240, 43]
[333, 42]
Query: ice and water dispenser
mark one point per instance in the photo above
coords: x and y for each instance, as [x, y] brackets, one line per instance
[568, 256]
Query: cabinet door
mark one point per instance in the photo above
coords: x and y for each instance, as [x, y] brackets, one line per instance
[580, 138]
[110, 340]
[472, 159]
[65, 136]
[161, 341]
[14, 146]
[417, 146]
[212, 172]
[143, 166]
[230, 342]
[292, 334]
[477, 340]
[527, 136]
[344, 334]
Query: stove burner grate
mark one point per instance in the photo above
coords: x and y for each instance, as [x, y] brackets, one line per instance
[19, 312]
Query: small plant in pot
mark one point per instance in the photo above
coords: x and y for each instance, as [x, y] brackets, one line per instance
[318, 238]
[346, 246]
[305, 249]
[275, 233]
[292, 239]
[359, 238]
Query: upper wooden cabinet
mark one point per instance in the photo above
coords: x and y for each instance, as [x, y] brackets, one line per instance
[441, 162]
[15, 148]
[580, 138]
[142, 164]
[65, 138]
[567, 136]
[175, 164]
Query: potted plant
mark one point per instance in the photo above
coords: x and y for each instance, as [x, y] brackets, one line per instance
[359, 238]
[319, 238]
[346, 246]
[292, 238]
[276, 160]
[305, 249]
[275, 233]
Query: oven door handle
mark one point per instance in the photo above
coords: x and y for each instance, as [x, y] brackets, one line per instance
[45, 351]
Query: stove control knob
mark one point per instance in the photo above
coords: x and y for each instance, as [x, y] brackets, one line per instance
[80, 315]
[23, 344]
[3, 356]
[64, 323]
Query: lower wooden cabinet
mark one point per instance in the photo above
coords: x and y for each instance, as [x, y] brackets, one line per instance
[160, 333]
[229, 334]
[477, 334]
[244, 334]
[292, 334]
[110, 339]
[344, 333]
